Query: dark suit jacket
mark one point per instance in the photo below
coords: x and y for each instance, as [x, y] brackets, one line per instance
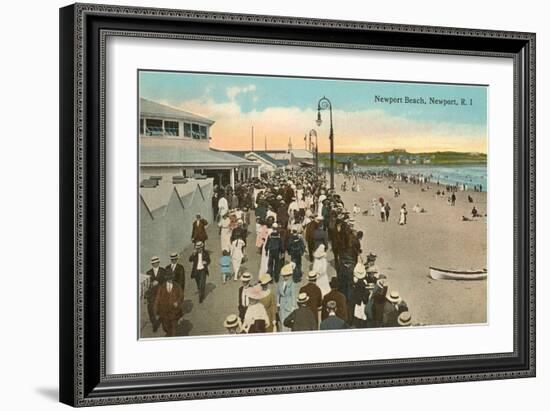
[315, 297]
[179, 274]
[199, 230]
[341, 304]
[195, 259]
[301, 319]
[152, 291]
[333, 322]
[164, 302]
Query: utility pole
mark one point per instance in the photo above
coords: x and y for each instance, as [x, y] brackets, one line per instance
[265, 143]
[252, 138]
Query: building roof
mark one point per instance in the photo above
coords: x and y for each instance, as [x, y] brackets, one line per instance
[302, 154]
[273, 156]
[148, 108]
[158, 155]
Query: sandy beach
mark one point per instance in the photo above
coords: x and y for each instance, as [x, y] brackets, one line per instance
[438, 238]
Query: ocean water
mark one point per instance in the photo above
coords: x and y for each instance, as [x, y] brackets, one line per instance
[446, 174]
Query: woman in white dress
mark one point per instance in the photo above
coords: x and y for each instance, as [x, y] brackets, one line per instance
[237, 256]
[225, 232]
[265, 256]
[320, 267]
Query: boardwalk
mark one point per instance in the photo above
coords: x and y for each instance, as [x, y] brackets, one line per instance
[221, 299]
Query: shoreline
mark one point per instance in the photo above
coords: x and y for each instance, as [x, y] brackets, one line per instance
[435, 238]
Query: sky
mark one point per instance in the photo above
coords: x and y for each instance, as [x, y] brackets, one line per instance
[368, 116]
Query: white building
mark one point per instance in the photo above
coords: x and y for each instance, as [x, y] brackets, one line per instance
[174, 142]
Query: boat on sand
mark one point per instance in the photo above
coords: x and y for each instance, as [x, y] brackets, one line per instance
[445, 274]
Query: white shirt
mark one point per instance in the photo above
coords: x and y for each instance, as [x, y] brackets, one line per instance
[173, 266]
[169, 286]
[156, 271]
[200, 265]
[244, 297]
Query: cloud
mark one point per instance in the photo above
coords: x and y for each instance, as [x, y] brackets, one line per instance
[359, 131]
[234, 91]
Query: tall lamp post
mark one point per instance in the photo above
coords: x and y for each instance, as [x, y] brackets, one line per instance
[324, 103]
[312, 132]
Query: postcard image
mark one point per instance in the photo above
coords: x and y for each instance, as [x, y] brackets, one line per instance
[280, 204]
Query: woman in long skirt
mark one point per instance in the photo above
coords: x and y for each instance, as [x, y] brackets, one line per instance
[225, 233]
[237, 256]
[265, 257]
[320, 267]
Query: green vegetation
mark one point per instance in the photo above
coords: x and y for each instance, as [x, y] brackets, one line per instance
[402, 157]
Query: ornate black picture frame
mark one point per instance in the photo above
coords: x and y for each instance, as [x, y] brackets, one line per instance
[83, 31]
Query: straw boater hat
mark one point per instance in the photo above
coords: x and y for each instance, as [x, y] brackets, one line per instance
[359, 271]
[382, 286]
[320, 252]
[155, 259]
[199, 244]
[174, 256]
[265, 279]
[274, 225]
[287, 269]
[240, 222]
[404, 319]
[319, 218]
[312, 276]
[246, 276]
[232, 321]
[303, 298]
[393, 297]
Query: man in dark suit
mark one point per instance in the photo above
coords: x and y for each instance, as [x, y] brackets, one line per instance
[177, 270]
[301, 319]
[201, 260]
[338, 297]
[199, 230]
[157, 276]
[243, 298]
[314, 293]
[168, 305]
[274, 249]
[332, 321]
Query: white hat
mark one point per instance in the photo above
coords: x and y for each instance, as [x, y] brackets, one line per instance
[359, 271]
[155, 259]
[265, 279]
[393, 297]
[274, 225]
[231, 321]
[287, 269]
[246, 276]
[404, 318]
[312, 275]
[303, 298]
[319, 218]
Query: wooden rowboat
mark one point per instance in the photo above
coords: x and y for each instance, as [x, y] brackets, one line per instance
[444, 274]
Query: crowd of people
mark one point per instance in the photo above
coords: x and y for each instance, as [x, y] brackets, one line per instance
[297, 218]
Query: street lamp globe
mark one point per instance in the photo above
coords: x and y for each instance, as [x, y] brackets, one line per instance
[319, 121]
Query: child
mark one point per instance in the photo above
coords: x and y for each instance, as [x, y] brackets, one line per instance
[225, 266]
[356, 209]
